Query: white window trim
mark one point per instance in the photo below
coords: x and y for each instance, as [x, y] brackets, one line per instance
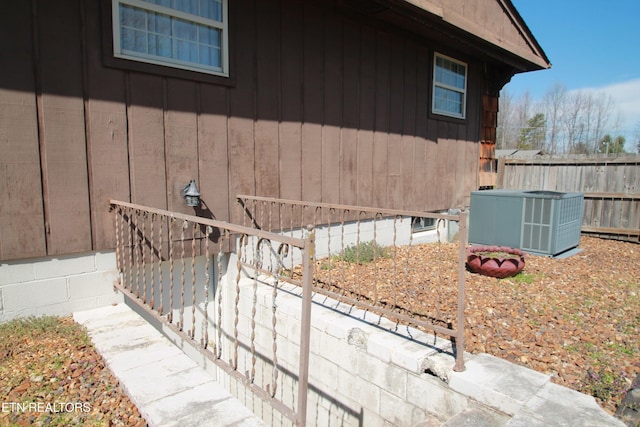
[455, 89]
[171, 62]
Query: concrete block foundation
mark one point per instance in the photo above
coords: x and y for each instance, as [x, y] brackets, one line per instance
[57, 285]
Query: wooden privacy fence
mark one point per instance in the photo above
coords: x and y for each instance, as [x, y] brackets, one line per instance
[611, 188]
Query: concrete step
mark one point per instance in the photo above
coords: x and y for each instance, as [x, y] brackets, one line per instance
[527, 396]
[168, 387]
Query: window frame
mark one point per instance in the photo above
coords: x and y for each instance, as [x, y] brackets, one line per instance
[171, 65]
[436, 84]
[423, 228]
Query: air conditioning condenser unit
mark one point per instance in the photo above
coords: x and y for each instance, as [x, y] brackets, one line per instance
[537, 222]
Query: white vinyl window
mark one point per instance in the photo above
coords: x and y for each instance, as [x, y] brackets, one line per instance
[449, 86]
[187, 34]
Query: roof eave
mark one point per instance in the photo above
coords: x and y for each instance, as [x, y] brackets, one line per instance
[533, 58]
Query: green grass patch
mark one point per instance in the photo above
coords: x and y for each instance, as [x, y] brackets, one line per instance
[40, 328]
[499, 255]
[620, 349]
[523, 278]
[51, 375]
[572, 348]
[363, 253]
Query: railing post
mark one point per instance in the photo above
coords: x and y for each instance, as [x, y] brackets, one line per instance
[305, 326]
[462, 256]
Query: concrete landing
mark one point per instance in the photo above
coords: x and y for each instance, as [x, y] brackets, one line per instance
[528, 397]
[168, 387]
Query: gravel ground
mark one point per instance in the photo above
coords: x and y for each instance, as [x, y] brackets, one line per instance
[576, 319]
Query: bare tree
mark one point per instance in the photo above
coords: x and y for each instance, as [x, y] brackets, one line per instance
[602, 105]
[572, 119]
[586, 127]
[512, 118]
[524, 109]
[588, 116]
[508, 128]
[573, 122]
[554, 101]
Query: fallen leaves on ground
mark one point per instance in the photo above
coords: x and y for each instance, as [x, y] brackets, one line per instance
[52, 375]
[576, 319]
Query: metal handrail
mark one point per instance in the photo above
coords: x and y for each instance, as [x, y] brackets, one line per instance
[311, 209]
[142, 246]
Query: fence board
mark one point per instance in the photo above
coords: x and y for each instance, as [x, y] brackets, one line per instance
[611, 188]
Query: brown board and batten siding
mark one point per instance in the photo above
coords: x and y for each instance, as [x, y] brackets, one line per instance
[322, 105]
[21, 208]
[106, 113]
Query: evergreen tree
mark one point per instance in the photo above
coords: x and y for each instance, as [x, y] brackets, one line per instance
[608, 145]
[532, 136]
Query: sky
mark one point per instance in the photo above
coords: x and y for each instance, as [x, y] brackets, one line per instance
[592, 46]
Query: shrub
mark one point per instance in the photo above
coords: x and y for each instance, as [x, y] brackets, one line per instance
[363, 253]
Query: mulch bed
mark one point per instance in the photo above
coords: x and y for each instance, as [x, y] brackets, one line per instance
[51, 375]
[576, 319]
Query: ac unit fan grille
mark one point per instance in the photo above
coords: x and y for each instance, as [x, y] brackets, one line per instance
[536, 226]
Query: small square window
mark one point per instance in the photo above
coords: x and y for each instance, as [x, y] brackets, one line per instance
[419, 224]
[449, 86]
[190, 35]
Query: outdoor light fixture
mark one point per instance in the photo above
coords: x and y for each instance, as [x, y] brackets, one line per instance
[191, 194]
